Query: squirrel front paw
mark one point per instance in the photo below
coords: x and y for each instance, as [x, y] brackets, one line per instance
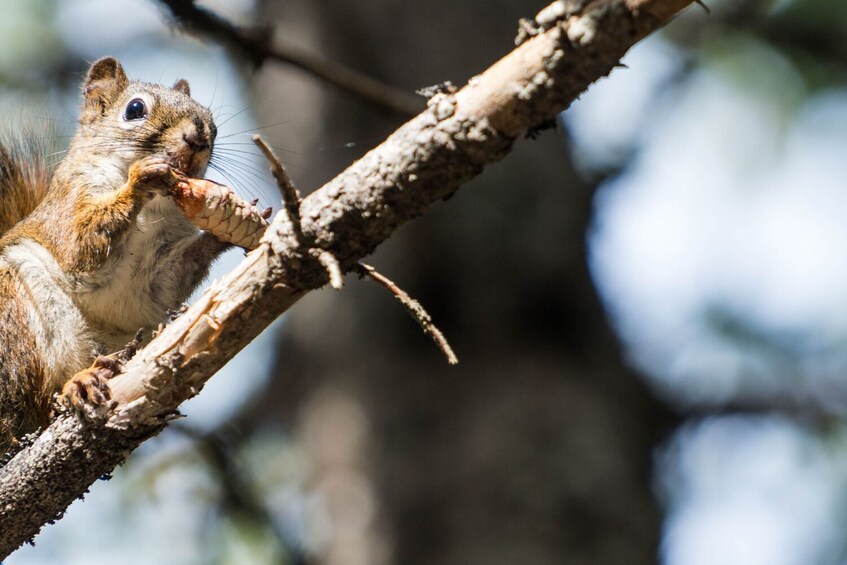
[87, 392]
[153, 175]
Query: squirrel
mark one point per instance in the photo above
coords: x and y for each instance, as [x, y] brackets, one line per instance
[95, 250]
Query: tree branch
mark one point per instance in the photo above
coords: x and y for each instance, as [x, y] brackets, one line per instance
[424, 161]
[257, 48]
[413, 307]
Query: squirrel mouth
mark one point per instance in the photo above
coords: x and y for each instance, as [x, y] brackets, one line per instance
[190, 164]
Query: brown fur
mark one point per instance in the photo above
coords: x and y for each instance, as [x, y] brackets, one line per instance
[78, 227]
[24, 402]
[24, 175]
[87, 221]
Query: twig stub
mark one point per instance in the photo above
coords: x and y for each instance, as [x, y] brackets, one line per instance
[289, 192]
[333, 268]
[413, 307]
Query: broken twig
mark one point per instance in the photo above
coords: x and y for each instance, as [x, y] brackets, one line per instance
[333, 268]
[291, 204]
[290, 194]
[415, 309]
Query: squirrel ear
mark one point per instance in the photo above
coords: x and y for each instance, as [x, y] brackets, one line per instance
[105, 81]
[182, 86]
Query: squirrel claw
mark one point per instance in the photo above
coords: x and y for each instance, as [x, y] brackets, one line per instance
[154, 175]
[87, 393]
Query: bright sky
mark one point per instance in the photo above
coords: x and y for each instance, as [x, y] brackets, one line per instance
[721, 254]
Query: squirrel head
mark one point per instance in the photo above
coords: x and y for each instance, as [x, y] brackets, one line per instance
[127, 120]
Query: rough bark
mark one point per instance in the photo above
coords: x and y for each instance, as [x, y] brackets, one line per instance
[426, 160]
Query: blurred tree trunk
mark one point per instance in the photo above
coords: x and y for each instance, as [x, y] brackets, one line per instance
[537, 447]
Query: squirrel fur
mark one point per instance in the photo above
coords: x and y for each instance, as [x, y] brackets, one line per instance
[95, 250]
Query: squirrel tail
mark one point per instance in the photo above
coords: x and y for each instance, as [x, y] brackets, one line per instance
[25, 173]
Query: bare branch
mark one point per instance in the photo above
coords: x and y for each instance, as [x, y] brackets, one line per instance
[415, 309]
[424, 161]
[238, 492]
[256, 46]
[289, 192]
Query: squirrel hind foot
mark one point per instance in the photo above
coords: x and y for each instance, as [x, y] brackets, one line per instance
[87, 393]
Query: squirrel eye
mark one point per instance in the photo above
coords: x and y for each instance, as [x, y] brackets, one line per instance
[135, 110]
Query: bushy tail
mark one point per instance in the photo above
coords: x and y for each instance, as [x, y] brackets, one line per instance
[25, 172]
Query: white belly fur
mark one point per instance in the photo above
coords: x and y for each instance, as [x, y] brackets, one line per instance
[141, 279]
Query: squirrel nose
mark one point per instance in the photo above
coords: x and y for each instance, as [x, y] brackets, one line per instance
[195, 141]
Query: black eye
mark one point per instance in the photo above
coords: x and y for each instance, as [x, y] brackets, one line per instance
[135, 110]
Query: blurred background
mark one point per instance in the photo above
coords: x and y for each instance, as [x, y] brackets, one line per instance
[647, 302]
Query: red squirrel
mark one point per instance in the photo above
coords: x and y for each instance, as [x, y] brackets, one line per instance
[95, 250]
